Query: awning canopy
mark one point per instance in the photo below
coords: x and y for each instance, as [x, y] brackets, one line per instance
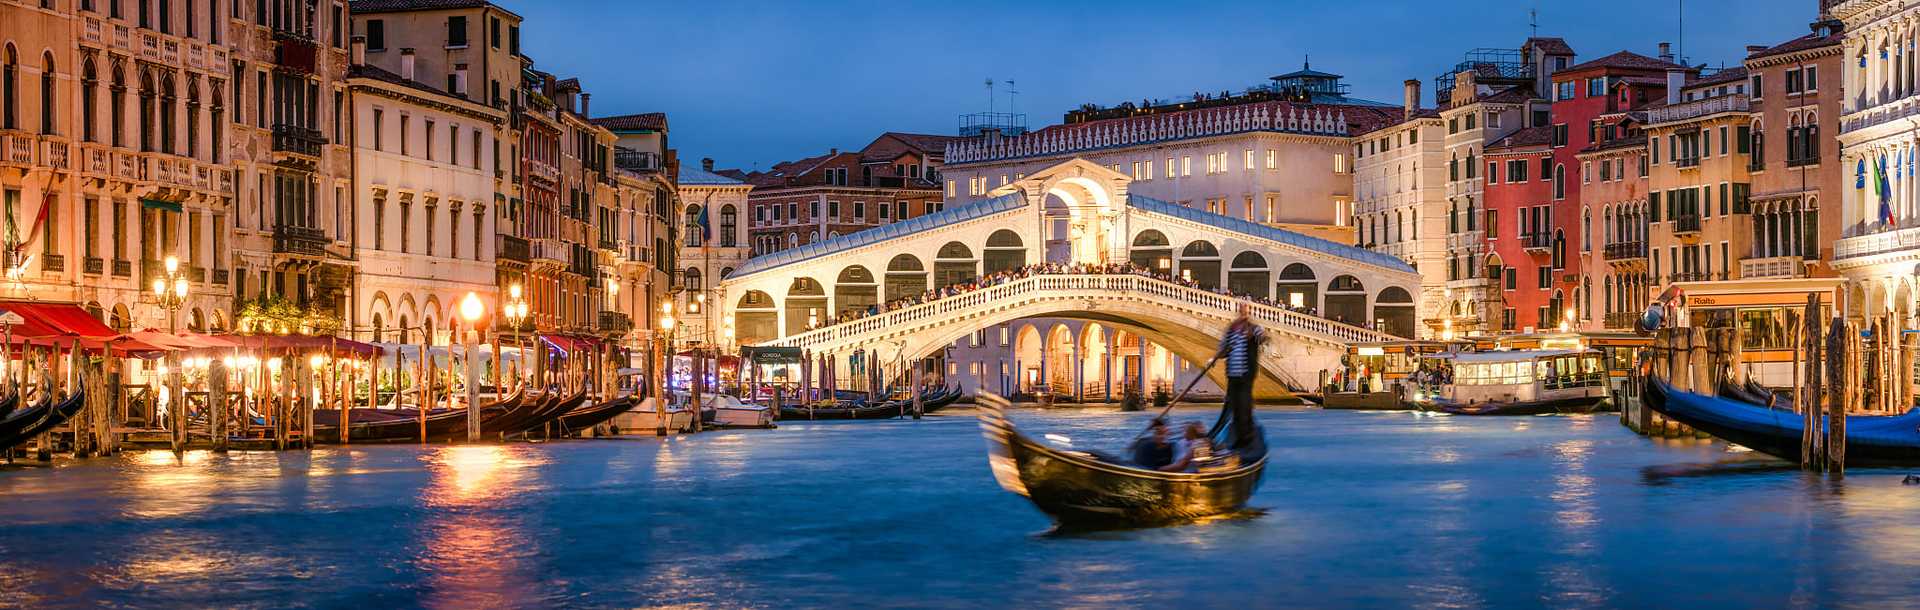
[303, 343]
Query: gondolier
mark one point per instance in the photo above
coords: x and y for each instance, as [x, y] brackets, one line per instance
[1240, 351]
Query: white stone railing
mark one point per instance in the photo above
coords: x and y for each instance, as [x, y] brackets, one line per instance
[1269, 116]
[1698, 108]
[1079, 286]
[1877, 243]
[1771, 267]
[1880, 114]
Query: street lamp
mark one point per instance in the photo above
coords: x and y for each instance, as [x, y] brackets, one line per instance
[666, 368]
[170, 294]
[515, 311]
[472, 310]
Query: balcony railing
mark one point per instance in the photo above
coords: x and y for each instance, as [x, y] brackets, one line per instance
[1626, 250]
[53, 263]
[513, 248]
[299, 240]
[1771, 267]
[220, 277]
[1698, 108]
[615, 323]
[122, 268]
[1691, 276]
[298, 140]
[552, 250]
[1686, 223]
[93, 265]
[1536, 241]
[637, 160]
[1621, 320]
[1686, 162]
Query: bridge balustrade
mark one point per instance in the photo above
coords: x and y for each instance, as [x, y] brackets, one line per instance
[1053, 285]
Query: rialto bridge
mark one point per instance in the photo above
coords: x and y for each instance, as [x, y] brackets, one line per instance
[1323, 294]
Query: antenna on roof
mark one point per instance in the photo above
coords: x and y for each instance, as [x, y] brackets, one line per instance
[1306, 61]
[989, 94]
[1683, 32]
[1012, 98]
[1533, 21]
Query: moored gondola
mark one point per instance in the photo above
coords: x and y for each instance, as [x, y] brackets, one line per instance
[881, 410]
[1082, 490]
[940, 400]
[403, 425]
[585, 417]
[1872, 440]
[41, 418]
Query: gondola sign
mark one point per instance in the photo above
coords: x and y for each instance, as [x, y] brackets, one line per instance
[773, 355]
[10, 318]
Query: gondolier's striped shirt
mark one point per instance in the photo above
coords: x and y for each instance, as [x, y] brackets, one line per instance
[1240, 347]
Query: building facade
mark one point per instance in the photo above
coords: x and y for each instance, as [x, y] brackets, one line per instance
[115, 153]
[1401, 207]
[894, 178]
[1700, 149]
[713, 211]
[424, 222]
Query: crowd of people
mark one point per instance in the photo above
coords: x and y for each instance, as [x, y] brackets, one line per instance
[998, 278]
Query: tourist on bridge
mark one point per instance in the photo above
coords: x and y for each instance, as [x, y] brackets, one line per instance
[1240, 351]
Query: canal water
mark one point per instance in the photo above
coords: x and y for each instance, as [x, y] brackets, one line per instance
[1360, 510]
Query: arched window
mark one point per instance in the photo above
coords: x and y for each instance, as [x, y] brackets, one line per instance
[117, 105]
[729, 219]
[89, 84]
[1759, 141]
[10, 89]
[168, 96]
[1560, 181]
[47, 76]
[693, 225]
[692, 280]
[147, 95]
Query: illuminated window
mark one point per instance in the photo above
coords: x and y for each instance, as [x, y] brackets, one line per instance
[1272, 161]
[1249, 156]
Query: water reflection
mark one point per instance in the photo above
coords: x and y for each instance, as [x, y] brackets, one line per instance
[476, 552]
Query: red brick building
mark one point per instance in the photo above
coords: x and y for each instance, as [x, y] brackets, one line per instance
[1581, 95]
[894, 178]
[1519, 225]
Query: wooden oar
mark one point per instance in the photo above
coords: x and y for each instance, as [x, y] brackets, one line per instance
[1190, 384]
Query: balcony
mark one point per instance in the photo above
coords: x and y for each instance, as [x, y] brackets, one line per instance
[1695, 109]
[299, 241]
[609, 245]
[1536, 242]
[615, 323]
[551, 251]
[298, 140]
[512, 248]
[1474, 239]
[93, 265]
[296, 51]
[1686, 162]
[122, 268]
[1626, 250]
[53, 263]
[220, 277]
[1686, 223]
[1691, 276]
[1871, 242]
[1621, 320]
[637, 160]
[1785, 267]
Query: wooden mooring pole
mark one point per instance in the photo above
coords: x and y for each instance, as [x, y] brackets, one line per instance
[1811, 400]
[1841, 389]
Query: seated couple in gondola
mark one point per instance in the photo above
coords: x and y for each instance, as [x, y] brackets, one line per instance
[1185, 454]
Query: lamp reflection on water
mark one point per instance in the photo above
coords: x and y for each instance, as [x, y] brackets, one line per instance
[475, 541]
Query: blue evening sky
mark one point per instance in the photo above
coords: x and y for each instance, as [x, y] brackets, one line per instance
[750, 84]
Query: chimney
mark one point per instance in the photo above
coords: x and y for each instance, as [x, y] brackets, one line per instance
[1676, 78]
[1666, 51]
[1755, 48]
[359, 50]
[585, 99]
[1413, 96]
[833, 151]
[706, 164]
[406, 64]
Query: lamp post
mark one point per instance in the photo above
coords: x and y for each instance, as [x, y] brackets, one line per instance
[515, 312]
[600, 361]
[666, 386]
[170, 293]
[472, 311]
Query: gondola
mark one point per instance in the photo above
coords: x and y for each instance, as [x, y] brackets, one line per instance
[519, 412]
[543, 419]
[1082, 490]
[401, 425]
[942, 400]
[880, 410]
[8, 404]
[586, 417]
[52, 415]
[1872, 440]
[22, 419]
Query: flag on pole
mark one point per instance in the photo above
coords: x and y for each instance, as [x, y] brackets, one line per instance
[706, 227]
[1883, 190]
